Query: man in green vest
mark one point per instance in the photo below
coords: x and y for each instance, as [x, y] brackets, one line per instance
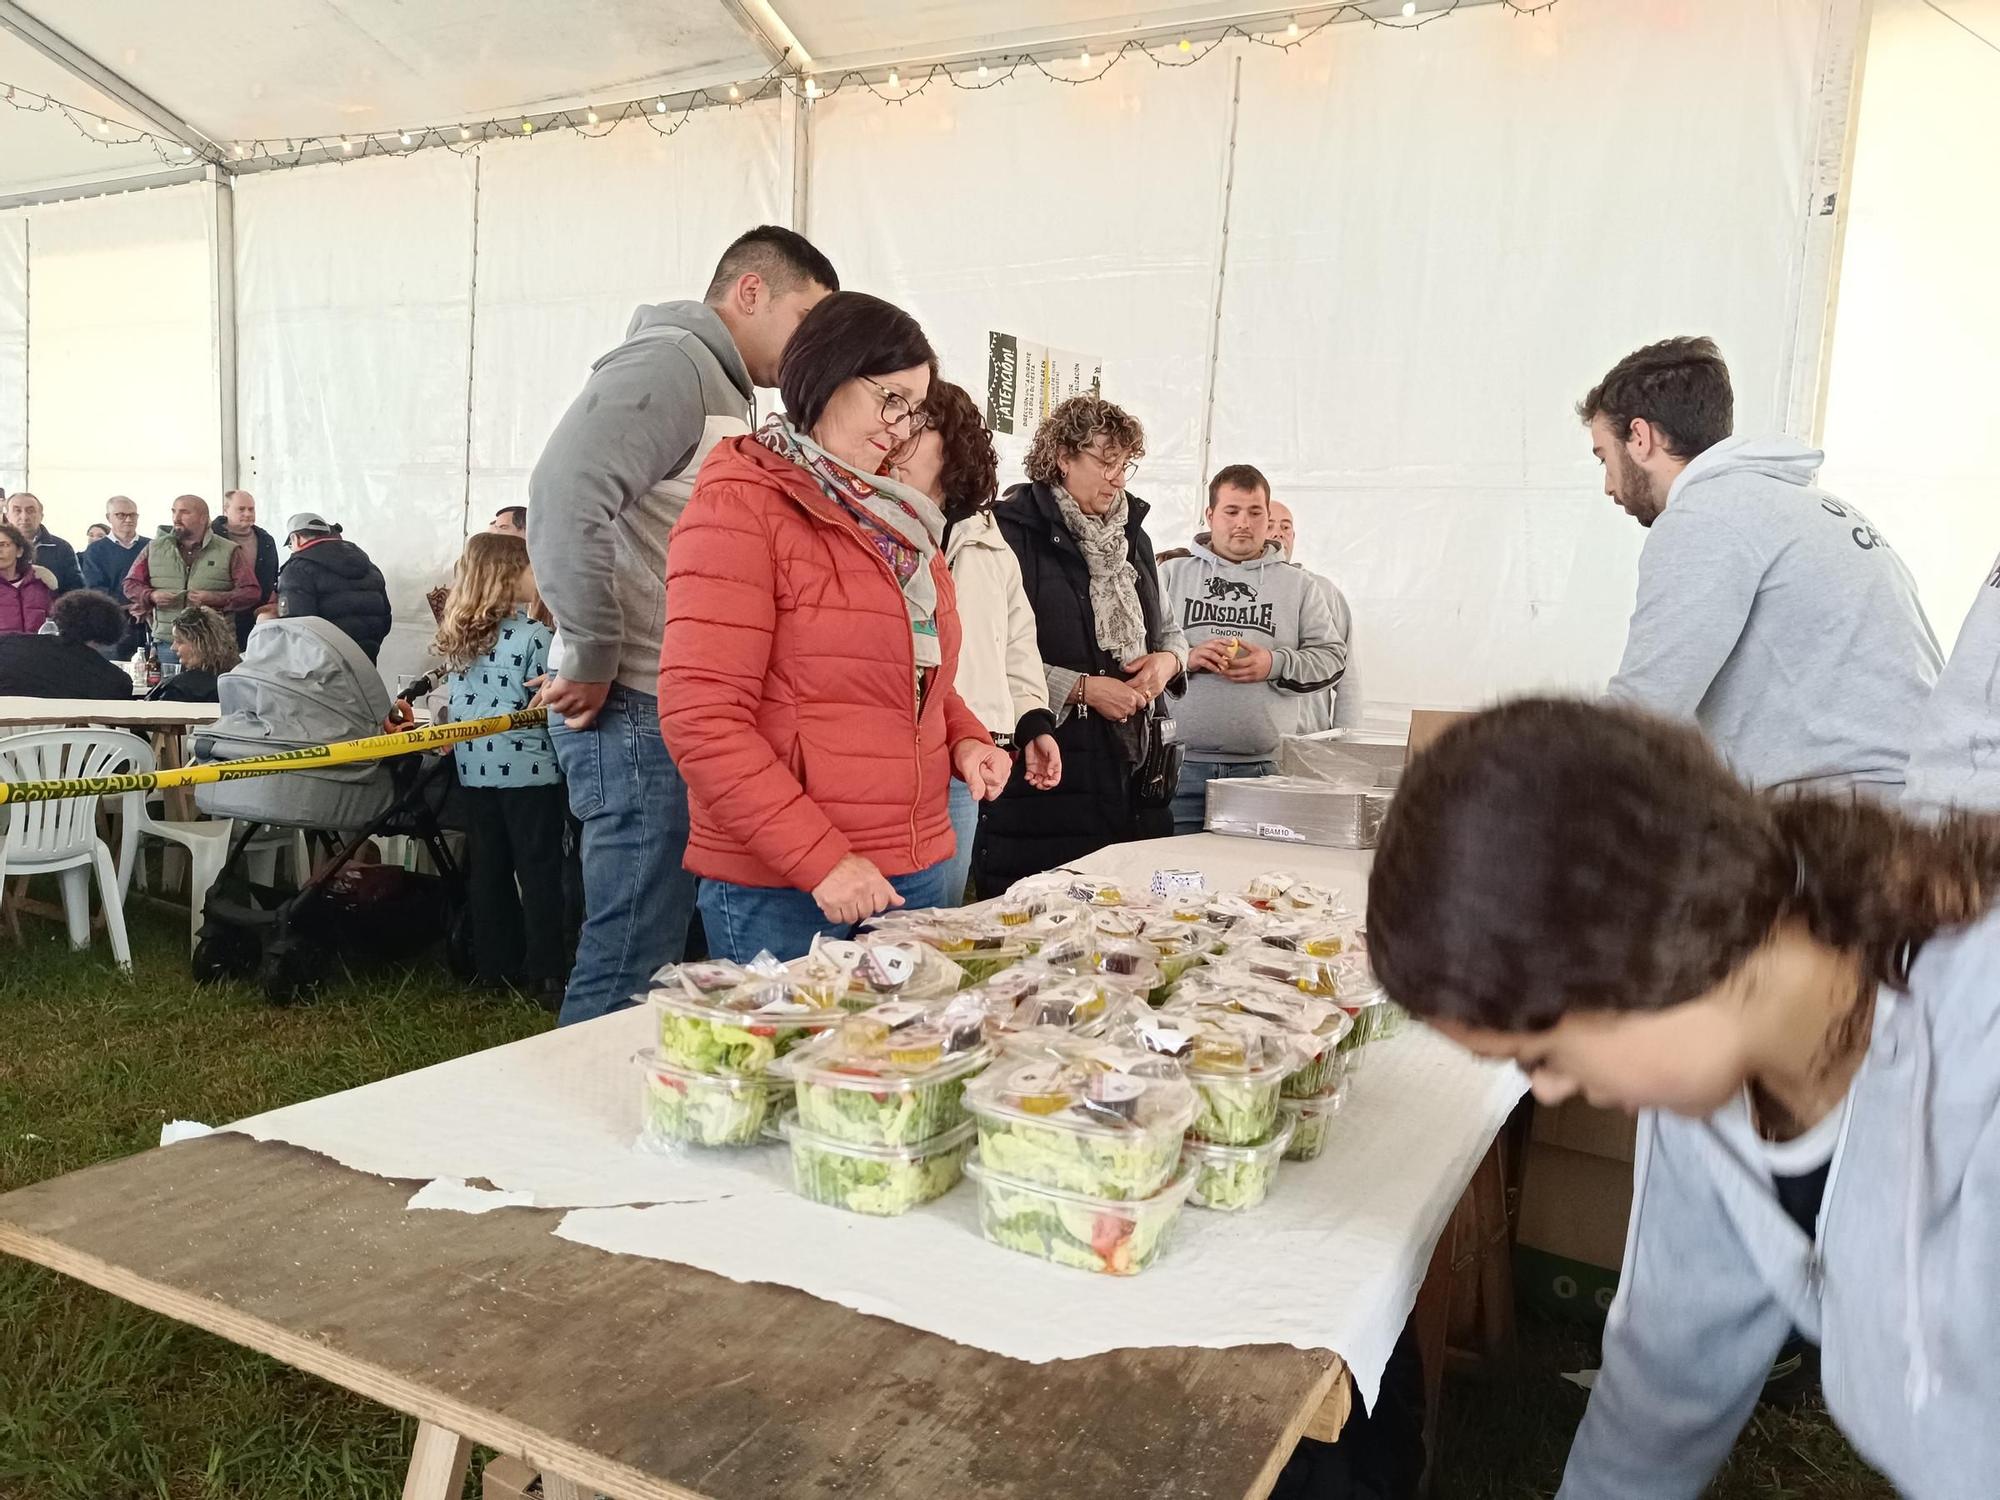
[188, 564]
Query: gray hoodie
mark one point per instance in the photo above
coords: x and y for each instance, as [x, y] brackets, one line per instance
[1337, 707]
[616, 475]
[1780, 620]
[1265, 602]
[1955, 754]
[1898, 1289]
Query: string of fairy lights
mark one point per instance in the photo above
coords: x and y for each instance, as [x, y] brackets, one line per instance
[665, 114]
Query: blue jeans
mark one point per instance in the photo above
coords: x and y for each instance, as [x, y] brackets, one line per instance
[637, 900]
[965, 828]
[741, 921]
[1191, 800]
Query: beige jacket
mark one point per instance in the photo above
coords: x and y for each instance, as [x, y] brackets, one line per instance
[1000, 674]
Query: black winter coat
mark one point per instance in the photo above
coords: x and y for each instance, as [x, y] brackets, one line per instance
[1026, 831]
[334, 580]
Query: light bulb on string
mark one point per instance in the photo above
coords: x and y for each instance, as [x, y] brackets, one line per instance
[346, 145]
[1083, 60]
[735, 92]
[812, 88]
[1292, 30]
[464, 134]
[1409, 8]
[982, 70]
[239, 152]
[104, 127]
[659, 106]
[527, 127]
[895, 79]
[187, 151]
[405, 138]
[1186, 45]
[591, 116]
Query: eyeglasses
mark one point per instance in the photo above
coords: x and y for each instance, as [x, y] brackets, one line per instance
[1122, 469]
[898, 408]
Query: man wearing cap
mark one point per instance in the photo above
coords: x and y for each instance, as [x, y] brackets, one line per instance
[187, 564]
[330, 577]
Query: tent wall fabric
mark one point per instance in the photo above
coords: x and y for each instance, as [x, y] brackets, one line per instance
[122, 381]
[354, 346]
[13, 352]
[573, 234]
[1436, 249]
[1916, 362]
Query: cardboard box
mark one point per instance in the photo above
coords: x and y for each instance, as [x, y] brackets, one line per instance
[1574, 1209]
[510, 1479]
[1576, 1126]
[1426, 724]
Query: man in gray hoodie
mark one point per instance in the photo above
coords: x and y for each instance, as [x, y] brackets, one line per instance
[1955, 753]
[615, 476]
[1337, 707]
[1772, 614]
[1261, 640]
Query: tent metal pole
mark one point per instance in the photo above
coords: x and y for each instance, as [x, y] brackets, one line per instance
[1225, 192]
[768, 30]
[472, 346]
[105, 187]
[795, 159]
[222, 318]
[1841, 61]
[73, 60]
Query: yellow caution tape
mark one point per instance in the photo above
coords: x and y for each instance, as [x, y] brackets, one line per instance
[347, 752]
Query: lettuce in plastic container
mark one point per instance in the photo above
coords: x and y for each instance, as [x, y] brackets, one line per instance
[1312, 1123]
[878, 1180]
[1104, 1121]
[681, 1108]
[1109, 1237]
[733, 1022]
[894, 1075]
[1237, 1064]
[1317, 1026]
[1233, 1178]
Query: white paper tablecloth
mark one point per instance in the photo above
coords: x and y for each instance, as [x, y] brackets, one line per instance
[1331, 1260]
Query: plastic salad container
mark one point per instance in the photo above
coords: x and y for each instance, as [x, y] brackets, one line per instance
[1237, 1065]
[740, 1034]
[879, 1180]
[683, 1108]
[1105, 1123]
[1318, 1027]
[891, 1076]
[860, 973]
[1231, 1178]
[1113, 1237]
[1312, 1123]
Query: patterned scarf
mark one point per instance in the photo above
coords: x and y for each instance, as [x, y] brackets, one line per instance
[900, 523]
[1114, 582]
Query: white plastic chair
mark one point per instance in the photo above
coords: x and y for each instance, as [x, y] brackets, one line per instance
[60, 837]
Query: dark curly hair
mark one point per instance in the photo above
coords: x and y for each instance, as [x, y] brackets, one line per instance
[1552, 856]
[1681, 386]
[1072, 425]
[969, 479]
[89, 618]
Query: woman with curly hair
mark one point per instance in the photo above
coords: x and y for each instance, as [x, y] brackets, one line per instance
[205, 646]
[1796, 993]
[1000, 672]
[1108, 647]
[493, 647]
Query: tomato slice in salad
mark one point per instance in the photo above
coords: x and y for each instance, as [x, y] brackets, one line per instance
[1111, 1238]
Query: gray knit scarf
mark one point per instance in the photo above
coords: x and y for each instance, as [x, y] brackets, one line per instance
[1114, 582]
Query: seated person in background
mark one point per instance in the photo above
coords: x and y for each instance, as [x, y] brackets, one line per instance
[1338, 707]
[330, 577]
[24, 588]
[69, 663]
[205, 642]
[1773, 615]
[510, 520]
[1260, 637]
[96, 531]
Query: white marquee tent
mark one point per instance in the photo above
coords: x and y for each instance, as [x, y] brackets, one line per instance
[1380, 259]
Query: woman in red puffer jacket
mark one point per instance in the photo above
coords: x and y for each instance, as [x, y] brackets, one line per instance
[806, 675]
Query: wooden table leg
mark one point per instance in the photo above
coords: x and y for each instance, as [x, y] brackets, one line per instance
[555, 1487]
[437, 1464]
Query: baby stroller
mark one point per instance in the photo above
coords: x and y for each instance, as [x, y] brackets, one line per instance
[303, 682]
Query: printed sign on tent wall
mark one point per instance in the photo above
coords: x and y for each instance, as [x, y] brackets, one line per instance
[1023, 380]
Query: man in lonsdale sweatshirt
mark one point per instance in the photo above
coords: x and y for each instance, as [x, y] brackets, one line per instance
[1260, 636]
[615, 476]
[1772, 614]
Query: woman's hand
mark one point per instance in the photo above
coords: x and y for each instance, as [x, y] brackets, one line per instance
[1151, 673]
[1112, 698]
[853, 891]
[983, 768]
[1043, 759]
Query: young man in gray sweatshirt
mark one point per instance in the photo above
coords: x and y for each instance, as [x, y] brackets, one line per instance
[1772, 614]
[615, 476]
[1261, 640]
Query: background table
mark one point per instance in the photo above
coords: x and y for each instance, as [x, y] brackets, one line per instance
[115, 713]
[652, 1380]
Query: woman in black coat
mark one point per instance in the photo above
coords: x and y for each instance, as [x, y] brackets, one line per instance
[1109, 647]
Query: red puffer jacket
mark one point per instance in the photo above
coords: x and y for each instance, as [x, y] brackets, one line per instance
[787, 684]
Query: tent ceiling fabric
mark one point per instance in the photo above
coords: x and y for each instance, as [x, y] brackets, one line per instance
[289, 69]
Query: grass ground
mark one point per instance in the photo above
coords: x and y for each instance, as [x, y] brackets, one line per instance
[100, 1401]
